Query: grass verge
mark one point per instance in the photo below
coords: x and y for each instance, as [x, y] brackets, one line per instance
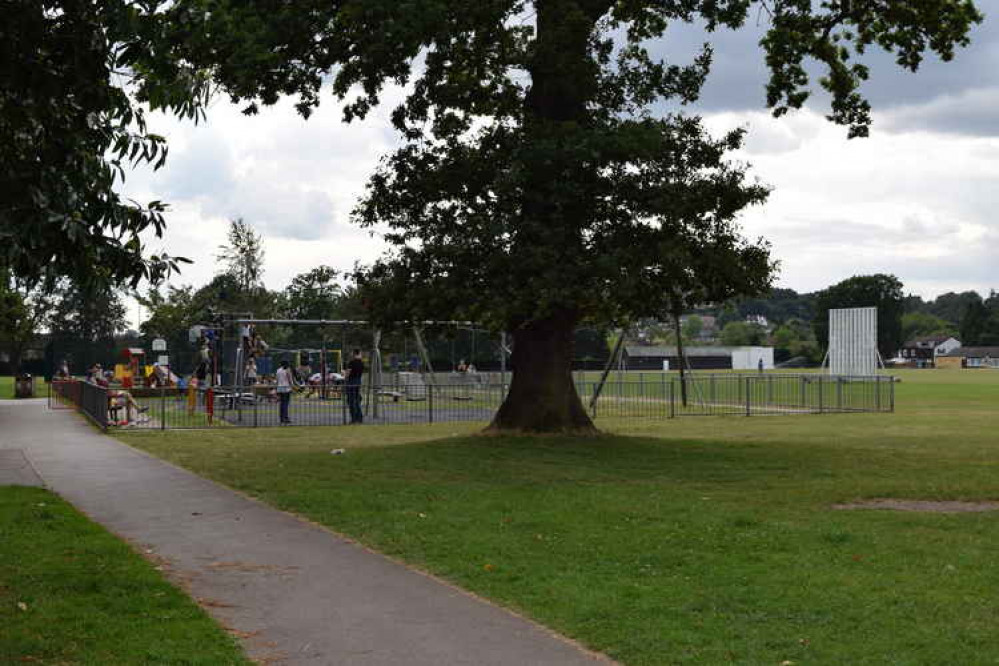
[7, 387]
[693, 541]
[70, 593]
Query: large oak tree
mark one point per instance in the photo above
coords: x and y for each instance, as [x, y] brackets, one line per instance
[541, 185]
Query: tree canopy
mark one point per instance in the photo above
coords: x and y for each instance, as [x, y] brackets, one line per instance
[541, 185]
[72, 79]
[242, 257]
[881, 291]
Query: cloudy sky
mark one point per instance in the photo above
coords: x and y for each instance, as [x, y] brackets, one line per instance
[915, 199]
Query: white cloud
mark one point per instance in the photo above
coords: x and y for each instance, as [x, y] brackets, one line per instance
[916, 204]
[295, 181]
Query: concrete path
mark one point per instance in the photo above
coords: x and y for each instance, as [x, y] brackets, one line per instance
[295, 593]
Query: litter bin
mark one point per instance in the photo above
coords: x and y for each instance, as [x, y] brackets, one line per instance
[24, 386]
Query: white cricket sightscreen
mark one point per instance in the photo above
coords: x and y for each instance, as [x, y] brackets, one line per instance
[853, 342]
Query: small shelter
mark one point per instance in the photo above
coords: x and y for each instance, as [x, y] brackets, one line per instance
[655, 357]
[970, 357]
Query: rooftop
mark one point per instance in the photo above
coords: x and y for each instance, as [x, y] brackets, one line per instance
[653, 351]
[975, 352]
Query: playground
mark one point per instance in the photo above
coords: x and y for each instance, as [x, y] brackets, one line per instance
[233, 382]
[406, 398]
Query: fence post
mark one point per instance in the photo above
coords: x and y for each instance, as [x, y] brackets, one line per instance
[892, 394]
[749, 400]
[804, 390]
[877, 393]
[821, 383]
[839, 394]
[663, 377]
[430, 403]
[672, 400]
[162, 408]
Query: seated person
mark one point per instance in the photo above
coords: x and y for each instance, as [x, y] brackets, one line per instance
[119, 399]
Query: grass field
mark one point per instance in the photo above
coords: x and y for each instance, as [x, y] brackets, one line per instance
[690, 541]
[70, 593]
[7, 387]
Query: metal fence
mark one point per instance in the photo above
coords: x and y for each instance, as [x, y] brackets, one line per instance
[641, 395]
[664, 395]
[91, 400]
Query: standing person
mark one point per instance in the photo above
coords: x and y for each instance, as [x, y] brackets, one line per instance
[250, 372]
[355, 369]
[285, 381]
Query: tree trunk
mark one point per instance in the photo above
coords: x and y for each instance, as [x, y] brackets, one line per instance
[542, 396]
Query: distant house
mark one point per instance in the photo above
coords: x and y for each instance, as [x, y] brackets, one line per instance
[758, 320]
[709, 327]
[922, 352]
[637, 357]
[970, 357]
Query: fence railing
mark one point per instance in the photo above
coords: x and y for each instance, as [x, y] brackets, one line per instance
[89, 399]
[64, 394]
[652, 395]
[260, 406]
[663, 395]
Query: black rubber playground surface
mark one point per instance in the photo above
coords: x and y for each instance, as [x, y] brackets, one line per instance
[250, 411]
[336, 412]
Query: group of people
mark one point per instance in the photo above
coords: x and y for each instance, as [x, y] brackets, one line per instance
[288, 381]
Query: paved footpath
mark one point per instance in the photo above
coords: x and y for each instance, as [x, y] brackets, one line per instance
[295, 593]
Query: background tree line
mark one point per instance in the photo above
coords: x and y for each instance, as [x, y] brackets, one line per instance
[87, 322]
[798, 322]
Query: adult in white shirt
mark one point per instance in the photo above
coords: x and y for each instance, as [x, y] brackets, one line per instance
[285, 382]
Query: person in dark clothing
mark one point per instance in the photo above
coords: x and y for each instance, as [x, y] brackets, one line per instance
[355, 369]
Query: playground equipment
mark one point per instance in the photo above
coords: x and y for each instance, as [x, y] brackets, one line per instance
[376, 386]
[132, 368]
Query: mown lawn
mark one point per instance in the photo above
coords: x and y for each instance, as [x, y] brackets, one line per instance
[7, 387]
[706, 540]
[71, 593]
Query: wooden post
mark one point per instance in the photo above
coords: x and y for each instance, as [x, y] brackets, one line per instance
[607, 370]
